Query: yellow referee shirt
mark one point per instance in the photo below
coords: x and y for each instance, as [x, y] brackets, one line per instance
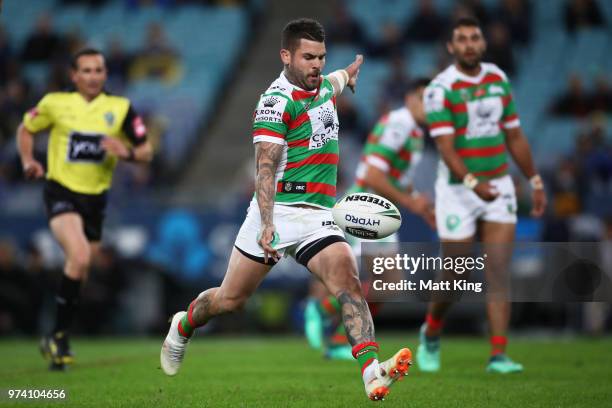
[75, 157]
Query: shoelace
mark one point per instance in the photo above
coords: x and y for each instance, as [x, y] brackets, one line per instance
[176, 352]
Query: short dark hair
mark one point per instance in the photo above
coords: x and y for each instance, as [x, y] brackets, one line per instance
[415, 84]
[74, 61]
[295, 30]
[466, 21]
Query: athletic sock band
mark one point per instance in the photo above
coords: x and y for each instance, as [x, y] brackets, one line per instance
[339, 337]
[498, 344]
[433, 323]
[330, 305]
[365, 353]
[186, 325]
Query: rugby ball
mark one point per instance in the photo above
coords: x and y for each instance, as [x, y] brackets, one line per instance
[367, 216]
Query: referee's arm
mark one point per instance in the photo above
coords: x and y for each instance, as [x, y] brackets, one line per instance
[142, 152]
[134, 128]
[25, 145]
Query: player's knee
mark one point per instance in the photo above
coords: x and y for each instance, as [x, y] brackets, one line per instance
[233, 303]
[80, 260]
[346, 268]
[353, 285]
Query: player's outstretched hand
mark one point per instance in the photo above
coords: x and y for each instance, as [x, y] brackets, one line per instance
[353, 71]
[32, 170]
[486, 191]
[539, 202]
[115, 147]
[266, 240]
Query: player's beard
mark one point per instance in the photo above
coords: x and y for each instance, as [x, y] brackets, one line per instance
[299, 78]
[471, 63]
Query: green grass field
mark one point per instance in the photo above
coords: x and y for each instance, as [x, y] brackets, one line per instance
[282, 371]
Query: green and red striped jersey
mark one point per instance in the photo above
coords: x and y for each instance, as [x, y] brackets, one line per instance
[306, 124]
[394, 146]
[476, 110]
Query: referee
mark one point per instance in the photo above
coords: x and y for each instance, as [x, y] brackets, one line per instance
[90, 131]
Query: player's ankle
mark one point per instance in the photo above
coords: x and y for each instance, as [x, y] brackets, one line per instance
[369, 373]
[365, 354]
[187, 325]
[498, 345]
[433, 326]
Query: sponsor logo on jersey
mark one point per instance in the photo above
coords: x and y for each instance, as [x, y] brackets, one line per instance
[452, 222]
[84, 147]
[484, 111]
[328, 223]
[327, 117]
[109, 117]
[434, 99]
[270, 110]
[325, 126]
[294, 187]
[368, 199]
[496, 89]
[278, 87]
[483, 117]
[270, 102]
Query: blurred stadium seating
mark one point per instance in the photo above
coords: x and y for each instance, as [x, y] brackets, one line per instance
[192, 30]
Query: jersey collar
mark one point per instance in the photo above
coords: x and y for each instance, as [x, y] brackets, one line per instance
[94, 100]
[285, 81]
[467, 78]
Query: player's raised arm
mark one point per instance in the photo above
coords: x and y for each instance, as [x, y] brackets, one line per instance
[267, 156]
[353, 72]
[346, 77]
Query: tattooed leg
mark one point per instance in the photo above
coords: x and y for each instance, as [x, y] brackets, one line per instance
[203, 309]
[356, 317]
[336, 266]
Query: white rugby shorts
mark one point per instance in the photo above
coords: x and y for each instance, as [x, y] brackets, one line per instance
[302, 232]
[458, 208]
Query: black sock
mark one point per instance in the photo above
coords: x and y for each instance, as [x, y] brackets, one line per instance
[67, 300]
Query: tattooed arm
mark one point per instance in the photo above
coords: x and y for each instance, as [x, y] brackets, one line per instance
[267, 157]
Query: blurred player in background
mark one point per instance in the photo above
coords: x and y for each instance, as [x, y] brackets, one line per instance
[89, 131]
[473, 120]
[390, 155]
[295, 133]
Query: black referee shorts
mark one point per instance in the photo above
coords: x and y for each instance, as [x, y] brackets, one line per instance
[91, 207]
